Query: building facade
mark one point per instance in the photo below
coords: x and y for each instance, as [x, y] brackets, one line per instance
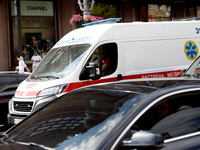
[29, 25]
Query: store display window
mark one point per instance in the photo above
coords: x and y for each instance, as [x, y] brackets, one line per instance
[33, 27]
[154, 12]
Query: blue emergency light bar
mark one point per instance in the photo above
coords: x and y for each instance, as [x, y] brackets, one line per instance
[111, 20]
[195, 18]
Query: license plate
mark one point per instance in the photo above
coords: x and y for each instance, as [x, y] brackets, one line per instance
[16, 121]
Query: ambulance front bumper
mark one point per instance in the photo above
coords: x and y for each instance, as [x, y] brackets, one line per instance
[19, 108]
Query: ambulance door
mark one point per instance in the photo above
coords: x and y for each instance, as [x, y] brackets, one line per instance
[102, 62]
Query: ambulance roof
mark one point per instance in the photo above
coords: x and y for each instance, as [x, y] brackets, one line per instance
[135, 30]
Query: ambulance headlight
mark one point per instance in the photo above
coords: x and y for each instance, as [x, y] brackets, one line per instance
[52, 91]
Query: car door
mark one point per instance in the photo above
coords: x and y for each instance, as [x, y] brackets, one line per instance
[176, 118]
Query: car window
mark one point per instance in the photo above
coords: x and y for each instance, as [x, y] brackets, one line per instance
[180, 123]
[8, 83]
[172, 117]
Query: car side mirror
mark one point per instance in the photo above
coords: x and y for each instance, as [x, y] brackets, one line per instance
[183, 71]
[144, 139]
[91, 72]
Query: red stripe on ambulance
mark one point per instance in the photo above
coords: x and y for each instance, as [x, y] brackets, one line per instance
[167, 74]
[32, 93]
[19, 93]
[76, 85]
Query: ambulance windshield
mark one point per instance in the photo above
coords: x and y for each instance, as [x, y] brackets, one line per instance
[59, 62]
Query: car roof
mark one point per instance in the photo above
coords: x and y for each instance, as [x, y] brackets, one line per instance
[13, 72]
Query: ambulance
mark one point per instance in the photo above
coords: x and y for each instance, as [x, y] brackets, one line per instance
[127, 51]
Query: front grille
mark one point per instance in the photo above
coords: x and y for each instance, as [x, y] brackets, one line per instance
[23, 106]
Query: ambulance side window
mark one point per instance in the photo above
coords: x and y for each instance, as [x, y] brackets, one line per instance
[108, 59]
[94, 57]
[105, 56]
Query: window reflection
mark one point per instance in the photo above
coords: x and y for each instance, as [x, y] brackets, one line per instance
[159, 13]
[153, 12]
[198, 11]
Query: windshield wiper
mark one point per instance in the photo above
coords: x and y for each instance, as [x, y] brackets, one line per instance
[187, 75]
[35, 145]
[48, 77]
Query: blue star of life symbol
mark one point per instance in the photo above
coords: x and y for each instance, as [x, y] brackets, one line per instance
[191, 50]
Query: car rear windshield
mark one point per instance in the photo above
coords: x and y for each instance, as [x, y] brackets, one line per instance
[78, 120]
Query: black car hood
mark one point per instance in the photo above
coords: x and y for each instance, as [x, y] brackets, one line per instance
[22, 146]
[148, 85]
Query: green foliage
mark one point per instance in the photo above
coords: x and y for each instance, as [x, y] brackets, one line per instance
[105, 10]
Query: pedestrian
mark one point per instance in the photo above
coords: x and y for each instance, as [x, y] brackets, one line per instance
[21, 66]
[25, 53]
[36, 60]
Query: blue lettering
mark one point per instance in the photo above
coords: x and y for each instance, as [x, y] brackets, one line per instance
[73, 41]
[197, 30]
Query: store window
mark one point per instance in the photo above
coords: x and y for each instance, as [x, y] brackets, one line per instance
[198, 11]
[33, 28]
[153, 12]
[194, 11]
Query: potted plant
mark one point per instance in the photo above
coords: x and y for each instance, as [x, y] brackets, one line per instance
[77, 20]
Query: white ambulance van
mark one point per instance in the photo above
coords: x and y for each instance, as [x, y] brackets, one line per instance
[105, 53]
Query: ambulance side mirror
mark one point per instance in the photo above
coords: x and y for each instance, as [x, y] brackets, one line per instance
[93, 71]
[90, 72]
[183, 71]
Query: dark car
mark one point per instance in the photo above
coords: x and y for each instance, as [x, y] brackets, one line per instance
[144, 114]
[9, 81]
